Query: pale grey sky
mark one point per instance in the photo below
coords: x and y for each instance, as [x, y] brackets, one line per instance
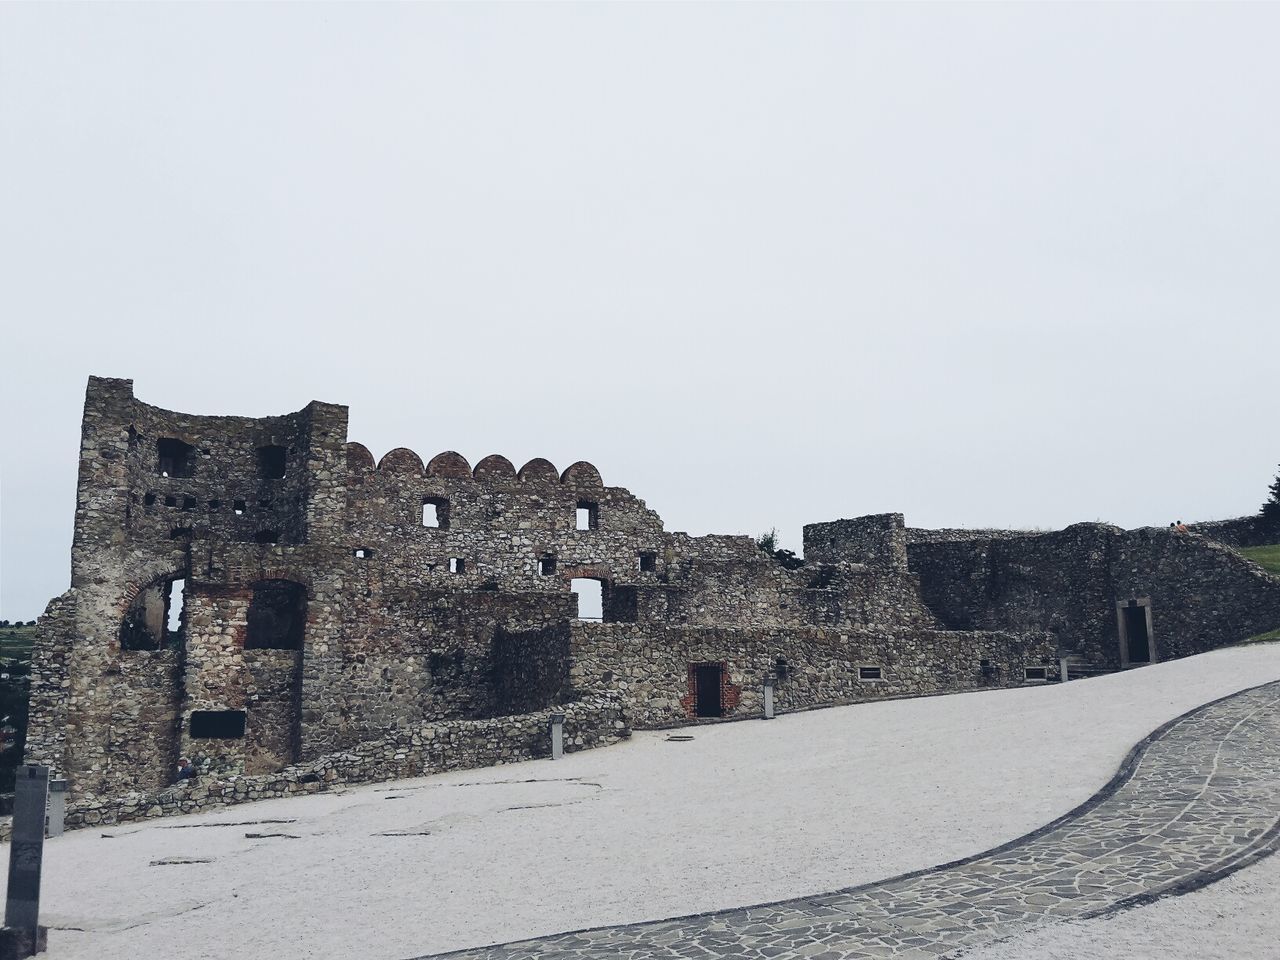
[762, 264]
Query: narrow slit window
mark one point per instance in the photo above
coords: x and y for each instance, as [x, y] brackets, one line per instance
[176, 602]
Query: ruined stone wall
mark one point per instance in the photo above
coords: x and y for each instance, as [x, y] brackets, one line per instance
[330, 602]
[648, 667]
[1237, 532]
[1068, 583]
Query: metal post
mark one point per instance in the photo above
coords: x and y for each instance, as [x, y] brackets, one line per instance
[57, 807]
[26, 851]
[1062, 669]
[768, 698]
[557, 736]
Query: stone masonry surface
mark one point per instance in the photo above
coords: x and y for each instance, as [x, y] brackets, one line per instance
[257, 596]
[1197, 800]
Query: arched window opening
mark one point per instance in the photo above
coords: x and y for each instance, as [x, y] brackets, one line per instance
[277, 616]
[590, 594]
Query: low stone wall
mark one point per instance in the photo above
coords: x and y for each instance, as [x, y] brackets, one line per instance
[429, 748]
[652, 669]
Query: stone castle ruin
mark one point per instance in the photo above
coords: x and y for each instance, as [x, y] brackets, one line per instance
[261, 597]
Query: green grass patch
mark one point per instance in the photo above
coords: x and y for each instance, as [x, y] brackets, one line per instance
[15, 642]
[1267, 557]
[1269, 637]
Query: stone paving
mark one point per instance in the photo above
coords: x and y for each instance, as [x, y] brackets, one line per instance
[1196, 800]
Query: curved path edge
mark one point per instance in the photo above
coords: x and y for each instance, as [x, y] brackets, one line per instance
[1261, 847]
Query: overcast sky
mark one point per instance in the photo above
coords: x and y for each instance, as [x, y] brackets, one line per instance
[763, 265]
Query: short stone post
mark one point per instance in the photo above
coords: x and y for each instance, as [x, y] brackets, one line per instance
[557, 736]
[1062, 669]
[22, 935]
[768, 698]
[57, 807]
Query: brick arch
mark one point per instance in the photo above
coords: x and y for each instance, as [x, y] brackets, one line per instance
[449, 464]
[495, 467]
[539, 470]
[401, 460]
[587, 571]
[359, 457]
[581, 474]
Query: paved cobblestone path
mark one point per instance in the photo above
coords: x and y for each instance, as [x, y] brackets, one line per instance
[1196, 800]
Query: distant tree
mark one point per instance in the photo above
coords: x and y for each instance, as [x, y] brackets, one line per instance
[768, 542]
[1269, 516]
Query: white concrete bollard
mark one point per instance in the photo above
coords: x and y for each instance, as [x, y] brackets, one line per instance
[1062, 670]
[768, 698]
[57, 807]
[557, 736]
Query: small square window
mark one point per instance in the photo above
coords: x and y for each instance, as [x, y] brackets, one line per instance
[188, 503]
[239, 507]
[170, 501]
[870, 673]
[457, 565]
[547, 565]
[149, 499]
[648, 562]
[215, 506]
[362, 553]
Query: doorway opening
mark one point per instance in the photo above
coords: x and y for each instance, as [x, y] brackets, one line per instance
[1136, 646]
[707, 681]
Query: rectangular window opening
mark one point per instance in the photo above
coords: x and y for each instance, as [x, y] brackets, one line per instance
[435, 513]
[1037, 673]
[271, 462]
[547, 565]
[587, 516]
[648, 562]
[174, 458]
[362, 553]
[590, 598]
[239, 507]
[870, 673]
[217, 724]
[457, 565]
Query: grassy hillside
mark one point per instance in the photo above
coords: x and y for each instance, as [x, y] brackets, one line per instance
[1268, 557]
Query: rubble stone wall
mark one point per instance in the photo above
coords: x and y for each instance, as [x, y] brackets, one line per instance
[648, 666]
[1068, 583]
